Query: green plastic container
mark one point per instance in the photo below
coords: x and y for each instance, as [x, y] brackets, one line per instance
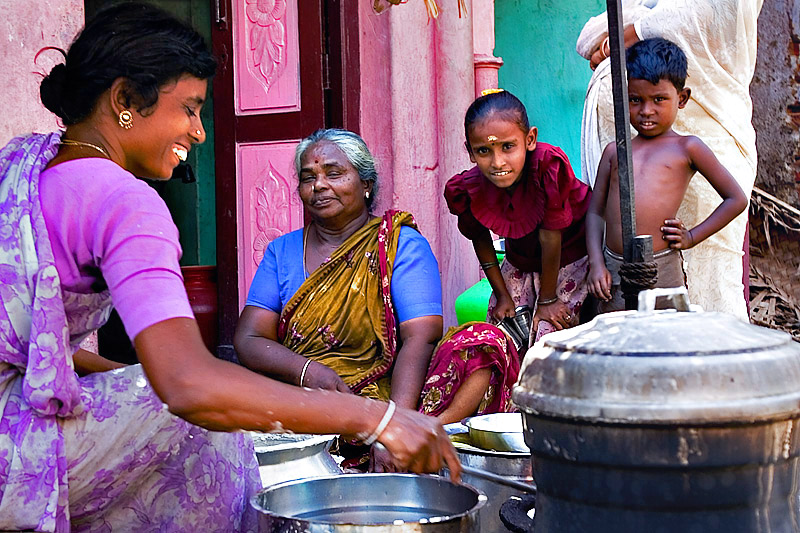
[473, 303]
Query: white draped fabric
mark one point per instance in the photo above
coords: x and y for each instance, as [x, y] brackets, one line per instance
[719, 39]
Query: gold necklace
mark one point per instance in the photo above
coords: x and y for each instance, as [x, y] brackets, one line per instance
[70, 142]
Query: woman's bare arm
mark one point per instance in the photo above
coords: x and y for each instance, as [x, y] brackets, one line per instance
[87, 362]
[418, 337]
[222, 396]
[257, 346]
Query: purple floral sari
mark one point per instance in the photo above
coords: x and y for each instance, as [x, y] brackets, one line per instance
[99, 453]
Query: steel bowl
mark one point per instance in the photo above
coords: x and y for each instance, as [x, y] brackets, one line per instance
[370, 503]
[501, 432]
[288, 456]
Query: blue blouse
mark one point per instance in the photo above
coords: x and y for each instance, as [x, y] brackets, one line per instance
[416, 287]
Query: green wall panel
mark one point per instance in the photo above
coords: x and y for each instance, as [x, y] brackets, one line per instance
[192, 205]
[536, 39]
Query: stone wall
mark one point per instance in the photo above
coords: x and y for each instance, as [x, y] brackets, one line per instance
[776, 102]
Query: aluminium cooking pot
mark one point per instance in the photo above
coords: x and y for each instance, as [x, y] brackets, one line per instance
[501, 432]
[663, 421]
[514, 466]
[369, 503]
[289, 456]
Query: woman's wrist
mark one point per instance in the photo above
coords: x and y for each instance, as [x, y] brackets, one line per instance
[547, 301]
[605, 47]
[303, 372]
[384, 421]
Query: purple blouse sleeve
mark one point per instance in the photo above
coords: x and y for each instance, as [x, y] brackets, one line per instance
[136, 245]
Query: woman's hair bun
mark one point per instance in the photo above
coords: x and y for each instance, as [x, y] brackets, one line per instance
[52, 89]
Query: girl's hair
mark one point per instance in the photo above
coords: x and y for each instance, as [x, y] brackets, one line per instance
[353, 147]
[135, 41]
[657, 59]
[503, 103]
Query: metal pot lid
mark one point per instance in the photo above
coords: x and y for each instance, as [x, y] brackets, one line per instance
[662, 367]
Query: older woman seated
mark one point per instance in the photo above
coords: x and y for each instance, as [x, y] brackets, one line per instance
[352, 302]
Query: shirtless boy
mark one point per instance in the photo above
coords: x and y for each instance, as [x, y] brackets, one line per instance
[663, 164]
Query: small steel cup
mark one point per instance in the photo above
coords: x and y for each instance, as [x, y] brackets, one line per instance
[523, 319]
[518, 335]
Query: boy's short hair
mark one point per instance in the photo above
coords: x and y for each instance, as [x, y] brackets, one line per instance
[657, 59]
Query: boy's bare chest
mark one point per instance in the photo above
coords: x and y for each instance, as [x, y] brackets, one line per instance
[665, 163]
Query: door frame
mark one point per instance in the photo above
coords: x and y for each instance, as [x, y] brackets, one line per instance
[340, 102]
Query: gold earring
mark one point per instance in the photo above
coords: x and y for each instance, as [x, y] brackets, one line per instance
[125, 119]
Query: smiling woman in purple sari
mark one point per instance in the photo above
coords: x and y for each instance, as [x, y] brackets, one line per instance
[86, 446]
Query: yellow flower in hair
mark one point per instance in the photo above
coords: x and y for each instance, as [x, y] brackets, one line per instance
[491, 91]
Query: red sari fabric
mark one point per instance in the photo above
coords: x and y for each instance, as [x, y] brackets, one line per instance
[462, 351]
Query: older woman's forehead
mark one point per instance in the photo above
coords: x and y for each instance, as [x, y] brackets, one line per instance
[325, 154]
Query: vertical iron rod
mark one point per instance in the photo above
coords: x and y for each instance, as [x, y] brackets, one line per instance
[635, 249]
[622, 120]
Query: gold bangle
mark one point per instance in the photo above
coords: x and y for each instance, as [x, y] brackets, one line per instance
[549, 301]
[487, 266]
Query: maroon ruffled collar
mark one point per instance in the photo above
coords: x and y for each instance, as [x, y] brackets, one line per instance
[507, 215]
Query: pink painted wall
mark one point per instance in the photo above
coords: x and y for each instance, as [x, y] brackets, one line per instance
[417, 80]
[486, 64]
[27, 27]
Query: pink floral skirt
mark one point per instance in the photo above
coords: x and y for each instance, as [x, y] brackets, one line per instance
[524, 286]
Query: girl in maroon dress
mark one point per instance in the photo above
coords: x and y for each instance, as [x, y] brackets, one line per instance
[525, 191]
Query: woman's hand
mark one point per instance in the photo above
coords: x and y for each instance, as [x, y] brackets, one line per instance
[380, 460]
[504, 307]
[600, 53]
[319, 376]
[677, 236]
[600, 282]
[557, 313]
[418, 443]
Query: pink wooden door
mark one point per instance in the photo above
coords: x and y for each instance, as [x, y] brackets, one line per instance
[268, 94]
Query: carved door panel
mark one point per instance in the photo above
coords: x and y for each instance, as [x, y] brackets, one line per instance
[270, 92]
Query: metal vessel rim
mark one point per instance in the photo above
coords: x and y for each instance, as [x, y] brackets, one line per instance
[787, 408]
[481, 497]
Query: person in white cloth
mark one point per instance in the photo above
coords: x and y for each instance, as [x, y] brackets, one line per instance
[719, 39]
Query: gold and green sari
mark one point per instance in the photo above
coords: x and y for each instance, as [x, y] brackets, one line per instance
[342, 315]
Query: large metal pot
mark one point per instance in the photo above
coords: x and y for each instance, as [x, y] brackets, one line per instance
[663, 421]
[512, 465]
[285, 457]
[369, 503]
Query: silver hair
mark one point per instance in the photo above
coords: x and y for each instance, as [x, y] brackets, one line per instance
[353, 147]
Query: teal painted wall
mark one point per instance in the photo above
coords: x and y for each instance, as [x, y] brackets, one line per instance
[536, 39]
[192, 205]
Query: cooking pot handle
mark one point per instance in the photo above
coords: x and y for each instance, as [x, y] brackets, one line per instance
[678, 296]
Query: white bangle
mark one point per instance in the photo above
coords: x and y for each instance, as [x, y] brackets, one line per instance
[303, 373]
[387, 416]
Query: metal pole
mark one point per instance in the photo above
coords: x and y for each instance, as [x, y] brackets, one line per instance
[635, 249]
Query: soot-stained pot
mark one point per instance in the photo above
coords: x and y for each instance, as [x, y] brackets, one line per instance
[663, 421]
